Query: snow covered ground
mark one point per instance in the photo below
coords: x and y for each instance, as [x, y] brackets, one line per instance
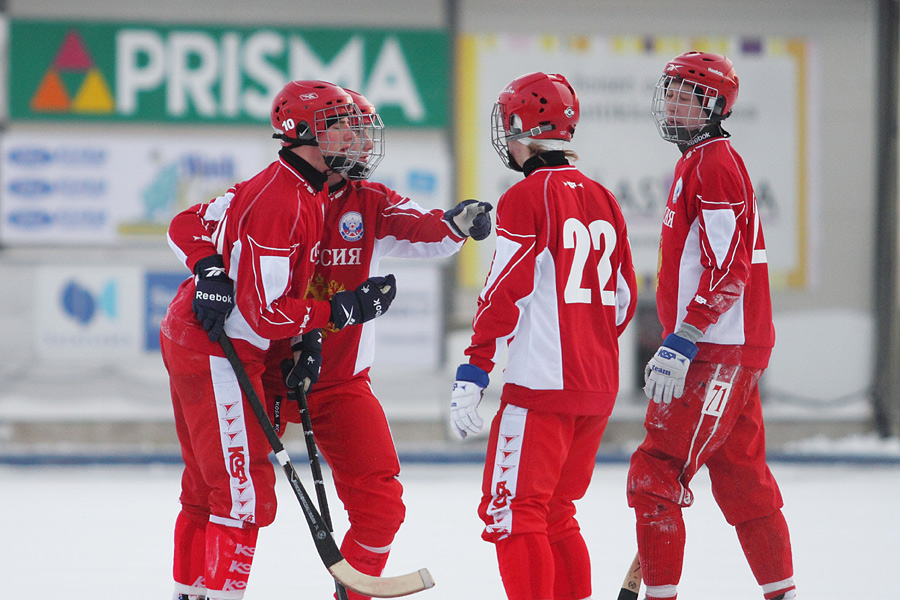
[100, 531]
[90, 532]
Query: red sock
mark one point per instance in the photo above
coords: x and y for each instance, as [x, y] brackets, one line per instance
[661, 546]
[767, 546]
[189, 564]
[366, 559]
[229, 555]
[526, 566]
[572, 568]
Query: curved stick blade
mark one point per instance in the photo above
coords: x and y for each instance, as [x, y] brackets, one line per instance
[381, 587]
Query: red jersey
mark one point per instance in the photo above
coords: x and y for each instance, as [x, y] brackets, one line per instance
[364, 221]
[267, 230]
[560, 291]
[712, 270]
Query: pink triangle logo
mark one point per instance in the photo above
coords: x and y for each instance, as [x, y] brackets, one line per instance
[72, 55]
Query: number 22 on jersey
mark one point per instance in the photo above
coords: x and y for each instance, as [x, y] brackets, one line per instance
[600, 235]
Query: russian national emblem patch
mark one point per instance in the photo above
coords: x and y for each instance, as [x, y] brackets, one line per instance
[351, 226]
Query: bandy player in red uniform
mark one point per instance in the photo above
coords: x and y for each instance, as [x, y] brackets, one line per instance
[560, 291]
[363, 222]
[268, 236]
[713, 302]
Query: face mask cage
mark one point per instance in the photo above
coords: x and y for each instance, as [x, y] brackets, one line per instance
[681, 108]
[371, 132]
[338, 135]
[499, 134]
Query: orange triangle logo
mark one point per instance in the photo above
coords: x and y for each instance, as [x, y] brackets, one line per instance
[51, 95]
[93, 96]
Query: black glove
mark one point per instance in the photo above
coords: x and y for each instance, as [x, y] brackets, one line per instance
[307, 362]
[214, 296]
[470, 218]
[371, 299]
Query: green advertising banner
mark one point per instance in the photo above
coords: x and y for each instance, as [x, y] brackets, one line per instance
[139, 72]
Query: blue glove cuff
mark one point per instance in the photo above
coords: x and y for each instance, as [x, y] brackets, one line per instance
[679, 344]
[477, 375]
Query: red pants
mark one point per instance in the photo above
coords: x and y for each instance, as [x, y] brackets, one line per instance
[354, 438]
[227, 471]
[538, 464]
[228, 482]
[718, 423]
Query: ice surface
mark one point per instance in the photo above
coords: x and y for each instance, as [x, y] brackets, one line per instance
[84, 533]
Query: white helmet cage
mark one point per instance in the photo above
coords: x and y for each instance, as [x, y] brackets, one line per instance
[371, 138]
[338, 133]
[500, 137]
[674, 95]
[499, 134]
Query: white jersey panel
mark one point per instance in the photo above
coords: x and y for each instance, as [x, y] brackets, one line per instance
[729, 330]
[275, 272]
[365, 348]
[503, 253]
[623, 297]
[409, 249]
[216, 209]
[179, 253]
[236, 325]
[720, 226]
[365, 352]
[535, 353]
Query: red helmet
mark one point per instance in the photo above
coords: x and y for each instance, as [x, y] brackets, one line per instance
[365, 107]
[304, 108]
[371, 130]
[710, 78]
[537, 106]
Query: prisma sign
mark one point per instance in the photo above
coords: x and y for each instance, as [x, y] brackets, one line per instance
[139, 72]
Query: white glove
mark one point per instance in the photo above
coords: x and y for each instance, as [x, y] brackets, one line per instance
[470, 218]
[464, 408]
[664, 375]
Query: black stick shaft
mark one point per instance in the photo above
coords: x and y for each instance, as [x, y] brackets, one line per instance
[313, 452]
[321, 532]
[316, 469]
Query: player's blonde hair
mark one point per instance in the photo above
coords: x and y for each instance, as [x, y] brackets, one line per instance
[536, 147]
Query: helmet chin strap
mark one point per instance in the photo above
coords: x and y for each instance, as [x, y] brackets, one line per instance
[335, 162]
[530, 133]
[300, 138]
[292, 141]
